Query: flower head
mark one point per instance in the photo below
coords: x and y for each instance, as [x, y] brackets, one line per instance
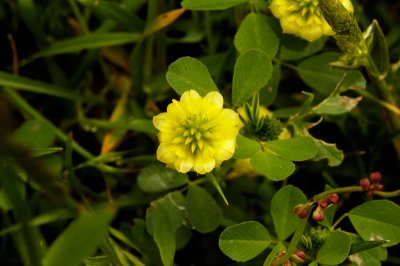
[303, 18]
[196, 133]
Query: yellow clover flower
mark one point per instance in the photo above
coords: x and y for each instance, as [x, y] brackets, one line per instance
[303, 18]
[196, 133]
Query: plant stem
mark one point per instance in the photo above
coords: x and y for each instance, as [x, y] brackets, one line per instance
[387, 194]
[340, 219]
[336, 190]
[384, 92]
[390, 107]
[294, 241]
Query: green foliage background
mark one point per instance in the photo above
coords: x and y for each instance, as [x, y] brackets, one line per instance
[80, 81]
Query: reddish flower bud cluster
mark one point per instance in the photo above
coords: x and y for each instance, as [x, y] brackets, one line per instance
[372, 184]
[318, 215]
[301, 210]
[298, 256]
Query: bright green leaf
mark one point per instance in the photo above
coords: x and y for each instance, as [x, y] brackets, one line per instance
[246, 147]
[318, 74]
[201, 210]
[253, 69]
[157, 178]
[80, 239]
[90, 41]
[211, 4]
[294, 149]
[282, 206]
[335, 249]
[255, 32]
[188, 73]
[272, 166]
[377, 220]
[244, 241]
[268, 93]
[336, 105]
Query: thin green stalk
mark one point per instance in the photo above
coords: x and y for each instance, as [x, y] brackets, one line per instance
[294, 241]
[27, 108]
[340, 219]
[387, 194]
[335, 191]
[390, 107]
[392, 120]
[79, 16]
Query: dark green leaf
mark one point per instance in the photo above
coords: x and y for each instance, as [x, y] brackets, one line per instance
[364, 245]
[163, 218]
[16, 82]
[318, 74]
[378, 48]
[80, 239]
[90, 41]
[211, 4]
[294, 48]
[242, 242]
[201, 210]
[114, 11]
[34, 134]
[157, 178]
[97, 261]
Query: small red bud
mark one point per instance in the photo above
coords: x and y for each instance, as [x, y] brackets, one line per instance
[323, 203]
[375, 177]
[280, 254]
[333, 198]
[301, 210]
[379, 187]
[298, 256]
[318, 215]
[287, 263]
[364, 183]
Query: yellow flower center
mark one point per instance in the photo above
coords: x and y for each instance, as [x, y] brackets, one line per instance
[305, 8]
[194, 131]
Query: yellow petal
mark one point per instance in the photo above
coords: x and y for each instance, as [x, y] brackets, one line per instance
[184, 165]
[165, 153]
[203, 165]
[215, 98]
